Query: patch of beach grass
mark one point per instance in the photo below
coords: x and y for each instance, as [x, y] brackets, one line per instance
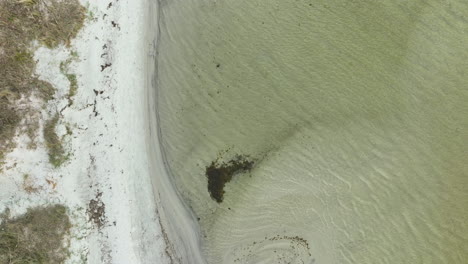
[56, 151]
[9, 119]
[49, 22]
[39, 236]
[73, 87]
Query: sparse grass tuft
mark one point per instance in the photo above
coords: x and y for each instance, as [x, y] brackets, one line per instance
[39, 236]
[71, 78]
[28, 185]
[57, 155]
[51, 23]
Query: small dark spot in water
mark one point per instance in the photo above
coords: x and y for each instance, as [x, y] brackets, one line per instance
[219, 174]
[218, 65]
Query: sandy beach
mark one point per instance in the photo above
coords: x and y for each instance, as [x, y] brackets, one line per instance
[236, 132]
[115, 178]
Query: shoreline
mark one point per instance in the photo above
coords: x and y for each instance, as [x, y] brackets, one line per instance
[177, 222]
[114, 185]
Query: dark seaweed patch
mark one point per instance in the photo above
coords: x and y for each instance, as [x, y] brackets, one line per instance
[219, 174]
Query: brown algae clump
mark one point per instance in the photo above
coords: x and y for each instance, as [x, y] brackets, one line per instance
[219, 174]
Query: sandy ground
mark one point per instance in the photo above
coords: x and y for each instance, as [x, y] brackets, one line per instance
[113, 147]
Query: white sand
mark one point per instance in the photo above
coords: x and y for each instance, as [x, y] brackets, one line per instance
[114, 145]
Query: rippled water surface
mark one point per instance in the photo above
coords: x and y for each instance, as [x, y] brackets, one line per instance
[353, 112]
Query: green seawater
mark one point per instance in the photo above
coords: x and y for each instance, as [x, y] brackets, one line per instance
[355, 112]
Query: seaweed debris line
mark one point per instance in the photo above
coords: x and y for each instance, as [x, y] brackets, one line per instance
[219, 174]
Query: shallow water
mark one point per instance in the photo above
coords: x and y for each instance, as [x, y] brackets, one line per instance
[355, 113]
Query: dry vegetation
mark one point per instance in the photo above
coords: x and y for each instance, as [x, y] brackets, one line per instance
[39, 236]
[51, 23]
